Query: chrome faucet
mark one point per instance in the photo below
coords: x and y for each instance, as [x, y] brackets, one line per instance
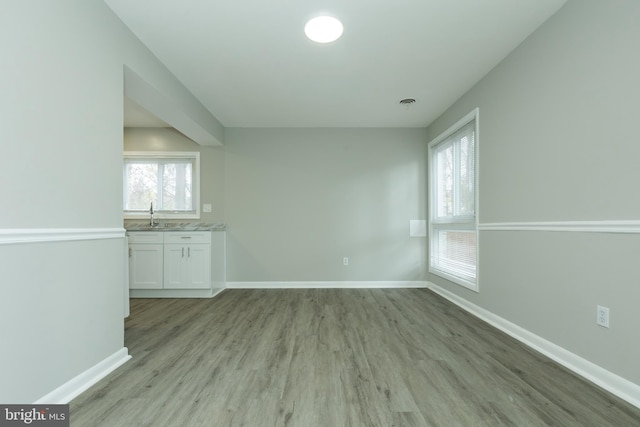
[152, 223]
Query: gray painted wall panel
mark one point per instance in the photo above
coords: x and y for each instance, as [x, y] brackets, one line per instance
[61, 167]
[299, 200]
[558, 142]
[61, 313]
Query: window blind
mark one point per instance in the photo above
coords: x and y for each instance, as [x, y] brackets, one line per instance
[168, 183]
[453, 239]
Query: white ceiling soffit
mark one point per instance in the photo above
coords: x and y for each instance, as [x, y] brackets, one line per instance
[136, 116]
[251, 65]
[138, 90]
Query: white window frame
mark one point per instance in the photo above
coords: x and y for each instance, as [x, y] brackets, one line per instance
[469, 222]
[165, 155]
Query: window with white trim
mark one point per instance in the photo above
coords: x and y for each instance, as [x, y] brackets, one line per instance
[453, 201]
[169, 180]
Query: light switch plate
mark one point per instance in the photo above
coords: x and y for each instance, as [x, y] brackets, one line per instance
[206, 207]
[417, 228]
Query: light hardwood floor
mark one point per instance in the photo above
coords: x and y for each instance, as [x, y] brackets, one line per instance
[328, 357]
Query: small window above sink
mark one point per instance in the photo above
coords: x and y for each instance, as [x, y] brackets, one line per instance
[169, 180]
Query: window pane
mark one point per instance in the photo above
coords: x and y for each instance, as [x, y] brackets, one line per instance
[177, 187]
[455, 252]
[466, 180]
[142, 186]
[444, 182]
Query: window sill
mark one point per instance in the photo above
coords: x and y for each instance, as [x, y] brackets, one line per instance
[146, 216]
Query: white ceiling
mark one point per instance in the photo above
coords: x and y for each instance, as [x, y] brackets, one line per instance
[250, 64]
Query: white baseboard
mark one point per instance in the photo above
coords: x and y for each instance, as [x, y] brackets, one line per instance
[609, 381]
[75, 386]
[327, 285]
[170, 293]
[216, 291]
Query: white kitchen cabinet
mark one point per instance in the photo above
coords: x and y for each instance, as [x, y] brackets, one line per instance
[176, 264]
[187, 266]
[146, 253]
[187, 260]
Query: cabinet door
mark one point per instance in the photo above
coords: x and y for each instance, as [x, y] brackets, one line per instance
[187, 266]
[145, 266]
[199, 266]
[175, 266]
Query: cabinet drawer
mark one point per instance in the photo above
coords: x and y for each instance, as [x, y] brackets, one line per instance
[146, 237]
[187, 237]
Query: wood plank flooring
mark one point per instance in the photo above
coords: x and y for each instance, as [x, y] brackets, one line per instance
[329, 357]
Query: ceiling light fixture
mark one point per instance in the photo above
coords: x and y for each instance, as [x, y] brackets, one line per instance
[323, 29]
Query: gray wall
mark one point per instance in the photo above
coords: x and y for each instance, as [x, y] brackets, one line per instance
[211, 164]
[558, 142]
[61, 168]
[299, 200]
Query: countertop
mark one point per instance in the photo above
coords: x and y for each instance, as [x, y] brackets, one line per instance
[176, 226]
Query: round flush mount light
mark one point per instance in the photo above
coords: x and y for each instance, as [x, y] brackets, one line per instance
[323, 29]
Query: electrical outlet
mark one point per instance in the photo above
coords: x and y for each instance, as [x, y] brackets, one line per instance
[345, 261]
[602, 318]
